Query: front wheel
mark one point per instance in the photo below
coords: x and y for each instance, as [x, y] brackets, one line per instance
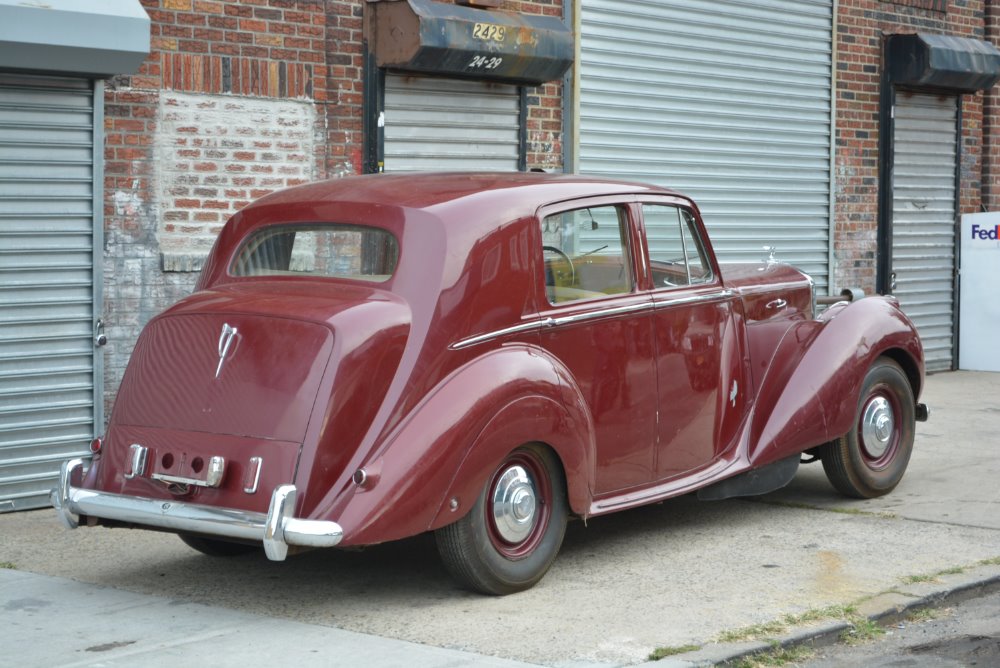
[507, 542]
[870, 460]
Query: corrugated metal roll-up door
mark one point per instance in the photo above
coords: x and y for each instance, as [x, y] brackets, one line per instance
[925, 146]
[728, 101]
[448, 124]
[47, 361]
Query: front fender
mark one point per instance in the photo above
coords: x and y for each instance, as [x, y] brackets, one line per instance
[450, 442]
[809, 395]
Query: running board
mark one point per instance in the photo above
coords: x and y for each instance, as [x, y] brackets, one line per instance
[751, 483]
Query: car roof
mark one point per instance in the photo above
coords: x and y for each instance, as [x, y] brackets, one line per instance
[432, 190]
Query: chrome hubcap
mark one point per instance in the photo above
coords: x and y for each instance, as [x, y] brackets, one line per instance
[514, 505]
[877, 427]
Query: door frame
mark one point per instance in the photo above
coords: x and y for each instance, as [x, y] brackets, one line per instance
[886, 167]
[98, 253]
[373, 115]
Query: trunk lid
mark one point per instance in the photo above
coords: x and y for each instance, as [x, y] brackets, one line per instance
[234, 373]
[249, 376]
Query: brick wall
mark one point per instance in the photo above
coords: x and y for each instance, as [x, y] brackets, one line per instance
[236, 99]
[991, 122]
[345, 68]
[545, 103]
[861, 27]
[172, 173]
[215, 154]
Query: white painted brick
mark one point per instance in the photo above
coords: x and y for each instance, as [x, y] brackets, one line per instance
[214, 153]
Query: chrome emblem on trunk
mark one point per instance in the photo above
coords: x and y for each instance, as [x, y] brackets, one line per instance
[225, 340]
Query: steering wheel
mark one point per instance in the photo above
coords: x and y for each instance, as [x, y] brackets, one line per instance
[572, 269]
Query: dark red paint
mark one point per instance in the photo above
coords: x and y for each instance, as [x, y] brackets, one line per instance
[329, 375]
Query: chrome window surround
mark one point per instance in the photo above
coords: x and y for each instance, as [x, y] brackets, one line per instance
[256, 259]
[812, 298]
[276, 530]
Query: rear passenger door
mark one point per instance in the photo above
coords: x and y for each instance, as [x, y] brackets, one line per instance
[598, 326]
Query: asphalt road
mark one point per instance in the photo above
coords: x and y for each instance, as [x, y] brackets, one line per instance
[953, 637]
[677, 573]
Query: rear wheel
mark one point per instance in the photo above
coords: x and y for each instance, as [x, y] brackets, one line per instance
[870, 460]
[508, 540]
[217, 548]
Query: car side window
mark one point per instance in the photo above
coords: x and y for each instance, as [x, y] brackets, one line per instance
[676, 253]
[585, 253]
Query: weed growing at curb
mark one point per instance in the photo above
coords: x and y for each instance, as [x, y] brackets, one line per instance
[862, 630]
[663, 652]
[779, 656]
[933, 577]
[761, 631]
[927, 614]
[9, 565]
[754, 632]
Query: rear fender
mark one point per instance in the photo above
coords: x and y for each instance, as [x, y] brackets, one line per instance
[810, 392]
[528, 419]
[451, 441]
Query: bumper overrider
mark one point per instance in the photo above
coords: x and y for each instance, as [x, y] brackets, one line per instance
[276, 530]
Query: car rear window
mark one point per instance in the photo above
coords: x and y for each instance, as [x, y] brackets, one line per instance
[324, 250]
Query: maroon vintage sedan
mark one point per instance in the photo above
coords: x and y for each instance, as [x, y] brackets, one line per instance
[484, 356]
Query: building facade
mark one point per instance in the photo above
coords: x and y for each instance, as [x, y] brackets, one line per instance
[791, 122]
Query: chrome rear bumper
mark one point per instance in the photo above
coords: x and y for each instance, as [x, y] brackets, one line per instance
[276, 530]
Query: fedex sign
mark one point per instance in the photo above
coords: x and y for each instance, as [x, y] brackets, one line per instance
[990, 233]
[979, 314]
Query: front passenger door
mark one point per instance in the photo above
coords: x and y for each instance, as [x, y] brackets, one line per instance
[700, 361]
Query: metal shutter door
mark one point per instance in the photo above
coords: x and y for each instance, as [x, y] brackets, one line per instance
[448, 124]
[47, 379]
[726, 101]
[923, 218]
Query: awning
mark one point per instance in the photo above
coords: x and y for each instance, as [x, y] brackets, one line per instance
[458, 41]
[73, 37]
[943, 62]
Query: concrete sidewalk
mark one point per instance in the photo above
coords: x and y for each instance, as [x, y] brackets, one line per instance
[678, 573]
[52, 622]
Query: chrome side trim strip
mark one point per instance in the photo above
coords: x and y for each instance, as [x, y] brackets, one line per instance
[589, 315]
[276, 530]
[601, 313]
[696, 299]
[496, 334]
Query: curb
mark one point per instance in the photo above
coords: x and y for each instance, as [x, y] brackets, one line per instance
[886, 608]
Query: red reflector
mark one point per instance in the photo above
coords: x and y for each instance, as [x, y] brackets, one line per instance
[95, 445]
